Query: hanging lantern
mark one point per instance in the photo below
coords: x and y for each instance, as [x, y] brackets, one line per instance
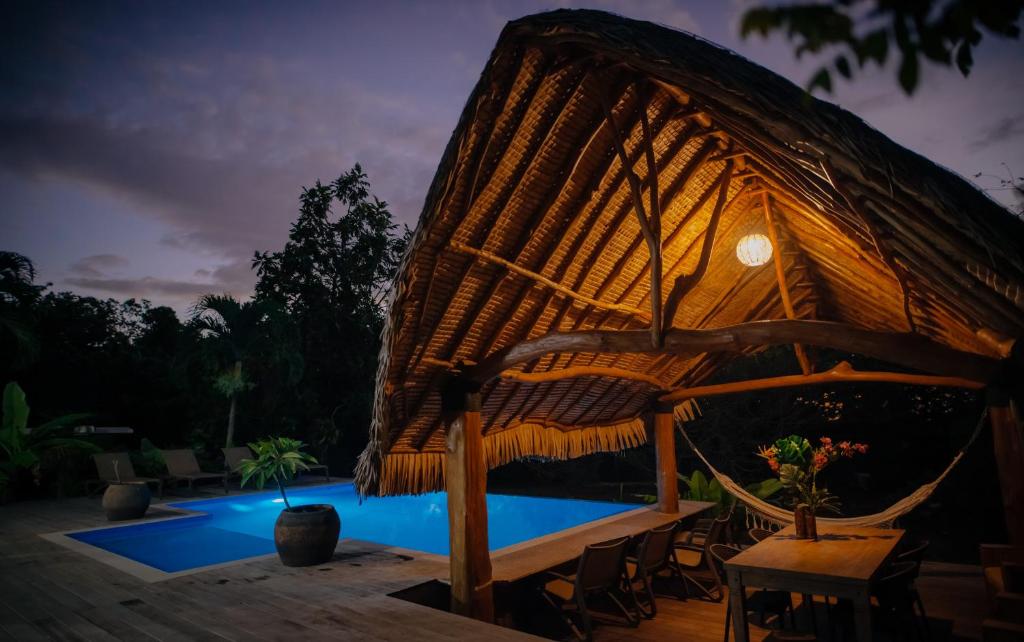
[754, 250]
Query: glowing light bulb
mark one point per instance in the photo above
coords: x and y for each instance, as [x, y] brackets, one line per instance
[754, 250]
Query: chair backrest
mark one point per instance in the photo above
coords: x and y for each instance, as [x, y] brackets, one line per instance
[717, 530]
[106, 470]
[893, 590]
[181, 462]
[655, 549]
[233, 456]
[602, 565]
[722, 553]
[759, 534]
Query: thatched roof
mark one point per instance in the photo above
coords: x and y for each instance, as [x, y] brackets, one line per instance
[872, 234]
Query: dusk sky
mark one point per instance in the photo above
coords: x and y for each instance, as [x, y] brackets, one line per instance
[147, 149]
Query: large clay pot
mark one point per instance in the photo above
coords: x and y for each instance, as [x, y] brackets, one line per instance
[307, 535]
[126, 501]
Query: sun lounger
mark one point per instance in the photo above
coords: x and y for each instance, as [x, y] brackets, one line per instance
[182, 464]
[233, 459]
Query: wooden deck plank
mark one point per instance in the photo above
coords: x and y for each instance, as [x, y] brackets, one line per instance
[62, 595]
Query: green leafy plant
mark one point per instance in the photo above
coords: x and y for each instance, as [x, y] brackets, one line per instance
[23, 448]
[701, 489]
[798, 465]
[278, 459]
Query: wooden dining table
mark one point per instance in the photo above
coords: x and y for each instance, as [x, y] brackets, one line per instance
[842, 563]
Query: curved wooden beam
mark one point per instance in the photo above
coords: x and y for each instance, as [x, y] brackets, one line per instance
[543, 280]
[900, 348]
[841, 373]
[583, 371]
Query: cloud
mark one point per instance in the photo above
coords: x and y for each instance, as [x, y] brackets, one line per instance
[1004, 129]
[97, 265]
[144, 287]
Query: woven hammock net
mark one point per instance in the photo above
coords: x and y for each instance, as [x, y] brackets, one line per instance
[764, 515]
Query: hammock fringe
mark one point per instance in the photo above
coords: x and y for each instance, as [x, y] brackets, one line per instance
[761, 514]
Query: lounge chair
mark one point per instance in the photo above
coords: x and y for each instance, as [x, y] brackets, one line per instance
[761, 602]
[182, 464]
[234, 456]
[601, 571]
[654, 555]
[123, 471]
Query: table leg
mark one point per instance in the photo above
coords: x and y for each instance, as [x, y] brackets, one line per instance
[738, 603]
[862, 617]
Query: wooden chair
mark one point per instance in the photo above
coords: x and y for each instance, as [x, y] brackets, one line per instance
[655, 554]
[894, 595]
[601, 571]
[696, 565]
[761, 602]
[759, 534]
[182, 465]
[1001, 563]
[114, 467]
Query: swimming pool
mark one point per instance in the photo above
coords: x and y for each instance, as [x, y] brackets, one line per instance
[228, 529]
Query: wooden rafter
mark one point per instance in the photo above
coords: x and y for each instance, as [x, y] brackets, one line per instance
[543, 280]
[841, 373]
[685, 282]
[780, 277]
[649, 227]
[904, 349]
[582, 371]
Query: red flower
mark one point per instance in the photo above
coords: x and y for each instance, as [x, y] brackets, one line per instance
[826, 441]
[820, 460]
[861, 448]
[774, 465]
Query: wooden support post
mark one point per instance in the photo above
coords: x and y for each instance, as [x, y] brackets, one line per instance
[780, 275]
[665, 449]
[1008, 444]
[466, 480]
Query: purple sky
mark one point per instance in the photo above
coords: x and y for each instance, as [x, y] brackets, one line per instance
[148, 148]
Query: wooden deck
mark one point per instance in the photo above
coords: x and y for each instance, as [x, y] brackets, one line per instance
[50, 592]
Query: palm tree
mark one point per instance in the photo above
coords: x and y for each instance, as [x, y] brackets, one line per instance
[17, 291]
[237, 333]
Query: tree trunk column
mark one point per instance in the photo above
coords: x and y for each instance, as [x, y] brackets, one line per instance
[466, 480]
[1008, 443]
[665, 448]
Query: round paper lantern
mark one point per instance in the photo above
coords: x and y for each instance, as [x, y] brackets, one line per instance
[754, 250]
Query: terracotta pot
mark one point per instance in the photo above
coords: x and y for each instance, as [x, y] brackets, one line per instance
[126, 501]
[307, 535]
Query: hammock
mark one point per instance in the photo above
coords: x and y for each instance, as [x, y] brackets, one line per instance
[762, 514]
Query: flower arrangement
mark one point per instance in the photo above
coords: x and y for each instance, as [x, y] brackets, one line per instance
[797, 464]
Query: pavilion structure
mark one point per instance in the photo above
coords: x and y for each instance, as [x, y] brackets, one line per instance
[624, 208]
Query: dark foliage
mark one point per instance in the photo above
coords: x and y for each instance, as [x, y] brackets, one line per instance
[942, 32]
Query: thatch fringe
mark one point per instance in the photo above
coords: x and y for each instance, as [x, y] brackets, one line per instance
[417, 473]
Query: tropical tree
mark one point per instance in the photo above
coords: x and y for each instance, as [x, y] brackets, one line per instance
[17, 293]
[942, 32]
[332, 277]
[237, 333]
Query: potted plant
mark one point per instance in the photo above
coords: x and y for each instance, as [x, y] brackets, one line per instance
[125, 500]
[304, 535]
[797, 464]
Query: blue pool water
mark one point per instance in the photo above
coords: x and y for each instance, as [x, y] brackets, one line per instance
[234, 528]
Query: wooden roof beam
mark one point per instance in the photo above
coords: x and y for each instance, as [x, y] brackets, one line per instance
[577, 372]
[685, 282]
[780, 278]
[543, 280]
[649, 227]
[904, 349]
[841, 373]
